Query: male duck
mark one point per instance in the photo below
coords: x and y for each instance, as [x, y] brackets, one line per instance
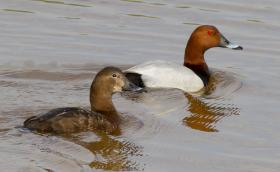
[191, 77]
[103, 115]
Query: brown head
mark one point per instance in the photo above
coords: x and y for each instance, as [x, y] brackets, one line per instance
[107, 82]
[206, 36]
[203, 38]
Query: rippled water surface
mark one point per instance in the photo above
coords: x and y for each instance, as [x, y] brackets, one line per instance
[51, 50]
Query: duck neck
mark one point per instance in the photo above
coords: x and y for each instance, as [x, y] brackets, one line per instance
[194, 59]
[101, 101]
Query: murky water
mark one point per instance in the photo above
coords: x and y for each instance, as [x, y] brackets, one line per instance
[51, 50]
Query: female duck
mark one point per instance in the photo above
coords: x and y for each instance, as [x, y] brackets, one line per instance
[103, 115]
[191, 77]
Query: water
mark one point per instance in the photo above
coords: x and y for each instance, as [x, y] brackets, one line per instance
[51, 50]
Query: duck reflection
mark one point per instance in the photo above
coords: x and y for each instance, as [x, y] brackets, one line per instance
[113, 153]
[206, 110]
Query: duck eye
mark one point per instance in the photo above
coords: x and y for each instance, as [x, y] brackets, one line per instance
[114, 75]
[210, 33]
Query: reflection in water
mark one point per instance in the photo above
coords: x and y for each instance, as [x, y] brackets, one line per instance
[221, 84]
[137, 1]
[183, 6]
[204, 109]
[115, 154]
[156, 3]
[4, 129]
[205, 115]
[210, 10]
[17, 11]
[72, 18]
[207, 110]
[254, 20]
[141, 15]
[190, 23]
[62, 3]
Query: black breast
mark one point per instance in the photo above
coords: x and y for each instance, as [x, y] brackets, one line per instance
[201, 70]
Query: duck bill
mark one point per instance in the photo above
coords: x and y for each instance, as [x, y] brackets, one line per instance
[129, 86]
[225, 43]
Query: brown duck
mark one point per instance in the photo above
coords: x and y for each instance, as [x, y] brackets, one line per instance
[102, 116]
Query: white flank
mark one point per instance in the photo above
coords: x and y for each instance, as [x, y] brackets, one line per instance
[168, 74]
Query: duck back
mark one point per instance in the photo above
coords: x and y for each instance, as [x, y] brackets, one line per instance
[68, 120]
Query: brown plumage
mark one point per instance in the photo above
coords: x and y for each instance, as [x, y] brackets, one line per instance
[102, 116]
[166, 74]
[203, 38]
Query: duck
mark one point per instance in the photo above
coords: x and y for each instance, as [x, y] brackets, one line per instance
[102, 116]
[193, 75]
